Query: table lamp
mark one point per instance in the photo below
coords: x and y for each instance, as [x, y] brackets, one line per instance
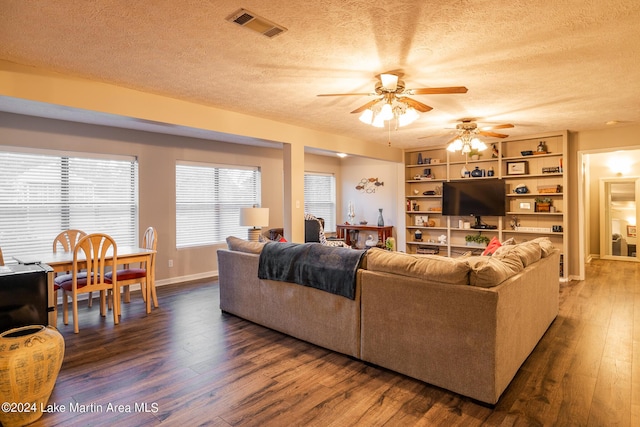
[254, 218]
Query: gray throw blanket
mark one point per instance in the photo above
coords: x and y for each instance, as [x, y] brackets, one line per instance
[315, 265]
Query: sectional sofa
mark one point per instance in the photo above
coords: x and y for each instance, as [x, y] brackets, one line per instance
[464, 324]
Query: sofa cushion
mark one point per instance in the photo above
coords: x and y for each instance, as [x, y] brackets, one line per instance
[545, 245]
[434, 268]
[490, 271]
[529, 252]
[239, 245]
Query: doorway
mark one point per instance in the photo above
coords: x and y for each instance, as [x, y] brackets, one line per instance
[618, 218]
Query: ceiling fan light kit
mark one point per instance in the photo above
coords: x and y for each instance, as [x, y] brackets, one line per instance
[383, 111]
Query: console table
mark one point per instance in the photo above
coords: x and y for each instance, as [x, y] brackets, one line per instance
[342, 230]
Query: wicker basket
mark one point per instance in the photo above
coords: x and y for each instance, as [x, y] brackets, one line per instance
[30, 360]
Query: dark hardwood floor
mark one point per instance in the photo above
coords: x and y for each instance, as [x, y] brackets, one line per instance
[188, 364]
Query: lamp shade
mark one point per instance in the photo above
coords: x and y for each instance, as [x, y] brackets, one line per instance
[254, 217]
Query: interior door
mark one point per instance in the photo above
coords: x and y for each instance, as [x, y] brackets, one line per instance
[618, 218]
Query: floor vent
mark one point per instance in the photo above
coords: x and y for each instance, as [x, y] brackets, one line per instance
[256, 23]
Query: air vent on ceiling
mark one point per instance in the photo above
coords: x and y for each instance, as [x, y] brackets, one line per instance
[256, 23]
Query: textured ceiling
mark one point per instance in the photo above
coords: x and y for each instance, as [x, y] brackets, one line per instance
[541, 65]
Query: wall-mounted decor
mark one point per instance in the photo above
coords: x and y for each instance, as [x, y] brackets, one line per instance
[369, 185]
[631, 231]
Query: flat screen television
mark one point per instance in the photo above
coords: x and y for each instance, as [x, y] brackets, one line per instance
[474, 197]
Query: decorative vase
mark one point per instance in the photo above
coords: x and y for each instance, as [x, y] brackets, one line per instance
[476, 172]
[30, 360]
[464, 172]
[380, 218]
[420, 158]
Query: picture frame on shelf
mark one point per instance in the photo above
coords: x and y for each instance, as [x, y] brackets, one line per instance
[422, 220]
[518, 168]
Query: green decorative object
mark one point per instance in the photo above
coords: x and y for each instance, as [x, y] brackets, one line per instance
[477, 240]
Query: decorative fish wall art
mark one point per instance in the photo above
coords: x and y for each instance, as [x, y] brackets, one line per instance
[369, 185]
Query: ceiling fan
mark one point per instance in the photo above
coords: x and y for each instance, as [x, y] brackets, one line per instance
[466, 137]
[392, 100]
[469, 125]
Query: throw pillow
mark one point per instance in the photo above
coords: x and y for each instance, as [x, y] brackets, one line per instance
[493, 245]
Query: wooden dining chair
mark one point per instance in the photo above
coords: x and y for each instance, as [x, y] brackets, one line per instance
[67, 240]
[142, 275]
[99, 252]
[1, 258]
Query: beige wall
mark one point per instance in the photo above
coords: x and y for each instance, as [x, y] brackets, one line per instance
[157, 155]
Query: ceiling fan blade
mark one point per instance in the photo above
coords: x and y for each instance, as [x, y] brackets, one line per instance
[503, 126]
[492, 134]
[365, 106]
[437, 90]
[346, 94]
[423, 108]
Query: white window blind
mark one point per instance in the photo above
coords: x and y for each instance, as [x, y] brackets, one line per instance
[320, 198]
[208, 202]
[44, 193]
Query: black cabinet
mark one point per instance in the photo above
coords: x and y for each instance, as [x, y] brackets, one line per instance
[26, 296]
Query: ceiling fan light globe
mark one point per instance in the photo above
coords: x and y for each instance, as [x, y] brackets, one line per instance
[413, 114]
[456, 145]
[407, 118]
[366, 116]
[378, 121]
[386, 113]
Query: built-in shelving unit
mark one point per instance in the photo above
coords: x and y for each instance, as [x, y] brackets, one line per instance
[536, 162]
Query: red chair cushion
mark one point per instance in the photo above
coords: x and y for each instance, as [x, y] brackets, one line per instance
[128, 274]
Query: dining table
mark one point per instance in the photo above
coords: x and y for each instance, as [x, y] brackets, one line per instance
[63, 261]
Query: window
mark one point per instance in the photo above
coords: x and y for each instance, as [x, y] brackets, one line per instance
[46, 192]
[208, 202]
[320, 198]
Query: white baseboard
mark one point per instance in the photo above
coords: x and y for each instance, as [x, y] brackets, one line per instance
[181, 279]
